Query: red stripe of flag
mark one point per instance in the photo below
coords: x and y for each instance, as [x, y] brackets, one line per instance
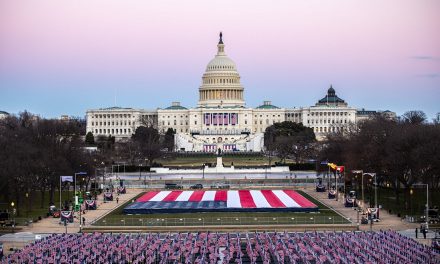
[221, 196]
[196, 196]
[272, 199]
[246, 199]
[146, 197]
[172, 196]
[299, 199]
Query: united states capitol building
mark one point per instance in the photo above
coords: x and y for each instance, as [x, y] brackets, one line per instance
[221, 118]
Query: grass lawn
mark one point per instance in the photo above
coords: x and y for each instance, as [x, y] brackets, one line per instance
[324, 216]
[25, 213]
[414, 206]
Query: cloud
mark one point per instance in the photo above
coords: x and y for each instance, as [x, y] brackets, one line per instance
[426, 58]
[428, 75]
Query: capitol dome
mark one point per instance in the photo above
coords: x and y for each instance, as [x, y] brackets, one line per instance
[221, 82]
[221, 63]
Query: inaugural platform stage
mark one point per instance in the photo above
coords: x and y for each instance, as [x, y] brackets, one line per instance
[220, 201]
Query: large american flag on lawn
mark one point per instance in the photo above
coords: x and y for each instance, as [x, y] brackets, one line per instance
[225, 199]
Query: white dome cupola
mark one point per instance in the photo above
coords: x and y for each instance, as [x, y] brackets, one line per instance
[221, 82]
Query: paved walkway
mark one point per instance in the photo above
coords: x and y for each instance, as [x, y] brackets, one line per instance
[387, 221]
[53, 225]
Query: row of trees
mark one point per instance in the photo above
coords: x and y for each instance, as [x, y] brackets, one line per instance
[145, 145]
[34, 153]
[402, 152]
[290, 140]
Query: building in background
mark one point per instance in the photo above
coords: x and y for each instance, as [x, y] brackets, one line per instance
[221, 119]
[118, 121]
[3, 114]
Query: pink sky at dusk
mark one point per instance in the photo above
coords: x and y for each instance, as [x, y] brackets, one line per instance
[377, 54]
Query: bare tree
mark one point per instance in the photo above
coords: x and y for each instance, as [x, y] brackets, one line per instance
[289, 139]
[414, 117]
[148, 143]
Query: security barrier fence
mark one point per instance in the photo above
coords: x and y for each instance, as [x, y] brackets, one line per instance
[131, 220]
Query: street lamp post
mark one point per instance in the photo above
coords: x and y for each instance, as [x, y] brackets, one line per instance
[103, 175]
[74, 188]
[336, 185]
[27, 206]
[203, 171]
[328, 179]
[427, 202]
[358, 223]
[13, 216]
[362, 183]
[140, 175]
[80, 220]
[372, 174]
[76, 198]
[388, 186]
[265, 172]
[343, 178]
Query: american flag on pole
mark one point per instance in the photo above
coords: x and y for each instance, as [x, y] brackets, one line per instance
[66, 178]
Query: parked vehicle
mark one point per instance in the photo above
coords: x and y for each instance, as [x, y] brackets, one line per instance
[196, 186]
[173, 186]
[433, 216]
[220, 186]
[5, 219]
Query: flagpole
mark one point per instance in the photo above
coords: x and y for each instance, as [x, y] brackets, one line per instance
[345, 192]
[328, 179]
[336, 181]
[60, 194]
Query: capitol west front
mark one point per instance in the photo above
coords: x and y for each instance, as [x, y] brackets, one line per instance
[221, 119]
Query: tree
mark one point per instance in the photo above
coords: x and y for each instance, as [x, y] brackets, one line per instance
[290, 139]
[90, 139]
[148, 143]
[269, 142]
[35, 152]
[168, 142]
[414, 117]
[401, 153]
[436, 119]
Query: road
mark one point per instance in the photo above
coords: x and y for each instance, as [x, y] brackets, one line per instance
[212, 176]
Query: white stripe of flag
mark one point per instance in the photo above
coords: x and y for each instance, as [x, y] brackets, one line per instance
[160, 196]
[259, 199]
[233, 200]
[285, 199]
[184, 196]
[209, 196]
